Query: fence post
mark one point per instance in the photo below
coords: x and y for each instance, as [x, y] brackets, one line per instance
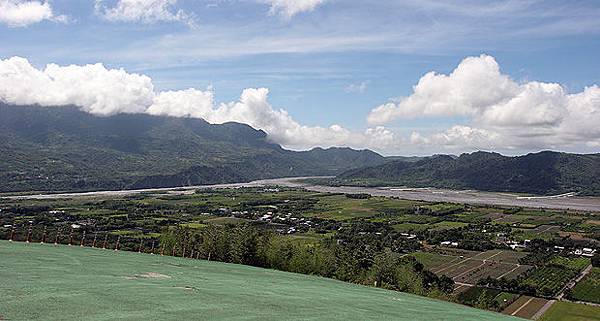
[57, 239]
[28, 234]
[117, 245]
[43, 236]
[152, 250]
[82, 243]
[12, 233]
[141, 244]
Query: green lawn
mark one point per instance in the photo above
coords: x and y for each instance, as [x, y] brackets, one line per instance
[46, 282]
[567, 311]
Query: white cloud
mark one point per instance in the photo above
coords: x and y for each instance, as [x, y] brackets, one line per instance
[101, 91]
[94, 88]
[505, 117]
[144, 11]
[254, 109]
[290, 8]
[474, 84]
[22, 13]
[502, 113]
[457, 137]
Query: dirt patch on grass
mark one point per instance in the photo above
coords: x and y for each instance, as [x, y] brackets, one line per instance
[148, 275]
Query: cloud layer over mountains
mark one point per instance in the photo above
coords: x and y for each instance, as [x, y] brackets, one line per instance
[497, 112]
[103, 92]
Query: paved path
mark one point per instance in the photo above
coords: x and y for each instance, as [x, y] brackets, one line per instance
[543, 310]
[509, 272]
[573, 282]
[522, 306]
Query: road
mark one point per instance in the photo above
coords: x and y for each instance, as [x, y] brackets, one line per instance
[574, 282]
[567, 201]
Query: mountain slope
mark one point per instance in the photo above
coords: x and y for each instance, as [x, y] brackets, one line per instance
[63, 148]
[538, 173]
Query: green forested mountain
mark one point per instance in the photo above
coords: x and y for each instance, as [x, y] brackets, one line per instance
[538, 173]
[63, 148]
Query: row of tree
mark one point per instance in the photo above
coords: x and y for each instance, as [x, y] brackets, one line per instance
[356, 260]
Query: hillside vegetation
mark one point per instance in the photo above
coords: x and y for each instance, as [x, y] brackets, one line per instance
[63, 148]
[537, 173]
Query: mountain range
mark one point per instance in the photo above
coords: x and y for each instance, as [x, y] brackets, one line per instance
[544, 173]
[63, 148]
[66, 149]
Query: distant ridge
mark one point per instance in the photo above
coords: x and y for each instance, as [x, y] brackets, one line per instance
[544, 173]
[65, 149]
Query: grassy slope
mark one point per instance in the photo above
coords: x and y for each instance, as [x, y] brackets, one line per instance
[43, 282]
[567, 311]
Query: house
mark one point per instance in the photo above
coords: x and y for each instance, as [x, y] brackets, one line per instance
[588, 252]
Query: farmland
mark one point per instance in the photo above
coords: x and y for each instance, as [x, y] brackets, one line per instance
[469, 267]
[548, 280]
[525, 307]
[567, 311]
[350, 237]
[487, 298]
[588, 289]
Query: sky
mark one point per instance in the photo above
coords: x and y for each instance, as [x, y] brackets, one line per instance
[400, 77]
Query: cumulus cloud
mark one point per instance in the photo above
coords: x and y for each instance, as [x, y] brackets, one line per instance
[94, 88]
[22, 13]
[144, 11]
[290, 8]
[501, 112]
[101, 91]
[476, 83]
[254, 109]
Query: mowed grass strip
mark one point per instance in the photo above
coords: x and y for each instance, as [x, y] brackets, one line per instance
[567, 311]
[46, 282]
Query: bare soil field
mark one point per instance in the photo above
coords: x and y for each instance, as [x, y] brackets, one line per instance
[470, 266]
[525, 307]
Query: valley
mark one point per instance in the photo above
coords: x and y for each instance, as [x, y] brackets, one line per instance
[423, 194]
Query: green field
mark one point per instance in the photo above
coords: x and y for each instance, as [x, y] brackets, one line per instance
[46, 282]
[567, 311]
[588, 289]
[549, 280]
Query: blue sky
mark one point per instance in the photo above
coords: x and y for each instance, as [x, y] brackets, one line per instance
[334, 61]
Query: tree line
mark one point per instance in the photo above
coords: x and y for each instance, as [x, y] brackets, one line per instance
[358, 259]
